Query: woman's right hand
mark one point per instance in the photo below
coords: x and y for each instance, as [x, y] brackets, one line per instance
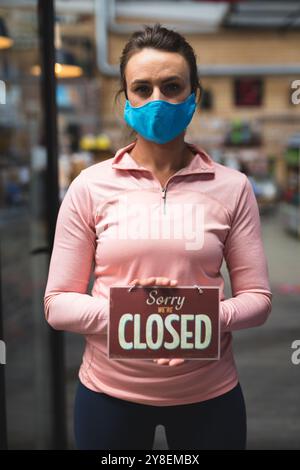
[159, 281]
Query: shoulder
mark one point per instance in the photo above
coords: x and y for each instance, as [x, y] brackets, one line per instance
[232, 188]
[231, 174]
[233, 181]
[96, 183]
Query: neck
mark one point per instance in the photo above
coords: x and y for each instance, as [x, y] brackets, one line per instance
[163, 158]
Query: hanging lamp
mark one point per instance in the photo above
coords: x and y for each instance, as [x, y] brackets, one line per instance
[5, 40]
[65, 63]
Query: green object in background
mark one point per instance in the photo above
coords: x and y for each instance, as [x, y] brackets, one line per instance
[292, 156]
[236, 136]
[236, 131]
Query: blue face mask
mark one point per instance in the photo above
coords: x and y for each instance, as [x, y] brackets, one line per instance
[159, 120]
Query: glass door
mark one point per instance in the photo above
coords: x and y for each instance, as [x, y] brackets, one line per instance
[31, 385]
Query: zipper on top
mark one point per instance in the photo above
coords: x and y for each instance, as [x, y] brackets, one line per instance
[164, 196]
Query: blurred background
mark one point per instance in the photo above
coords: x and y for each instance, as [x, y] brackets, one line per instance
[52, 127]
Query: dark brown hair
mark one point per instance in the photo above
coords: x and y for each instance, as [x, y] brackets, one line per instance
[163, 39]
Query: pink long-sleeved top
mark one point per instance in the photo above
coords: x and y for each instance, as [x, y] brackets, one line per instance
[111, 221]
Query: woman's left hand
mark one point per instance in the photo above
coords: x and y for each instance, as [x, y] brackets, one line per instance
[169, 362]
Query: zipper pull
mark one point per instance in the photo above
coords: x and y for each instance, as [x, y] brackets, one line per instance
[164, 197]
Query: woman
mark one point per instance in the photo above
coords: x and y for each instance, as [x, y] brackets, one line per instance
[119, 402]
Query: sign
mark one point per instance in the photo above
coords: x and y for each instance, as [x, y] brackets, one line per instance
[248, 91]
[147, 322]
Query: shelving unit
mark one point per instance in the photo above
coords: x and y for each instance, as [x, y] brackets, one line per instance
[290, 206]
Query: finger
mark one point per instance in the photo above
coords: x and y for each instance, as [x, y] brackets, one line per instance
[164, 281]
[176, 362]
[142, 281]
[147, 281]
[162, 361]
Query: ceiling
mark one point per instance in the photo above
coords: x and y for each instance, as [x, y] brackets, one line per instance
[210, 15]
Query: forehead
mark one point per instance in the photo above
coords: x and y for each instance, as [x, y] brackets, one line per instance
[151, 64]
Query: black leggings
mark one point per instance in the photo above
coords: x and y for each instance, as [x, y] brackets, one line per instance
[105, 422]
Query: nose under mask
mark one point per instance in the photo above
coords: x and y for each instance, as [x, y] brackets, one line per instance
[160, 121]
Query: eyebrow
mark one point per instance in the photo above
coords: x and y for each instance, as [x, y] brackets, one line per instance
[168, 79]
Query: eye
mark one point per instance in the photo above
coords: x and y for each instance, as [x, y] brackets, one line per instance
[142, 89]
[172, 88]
